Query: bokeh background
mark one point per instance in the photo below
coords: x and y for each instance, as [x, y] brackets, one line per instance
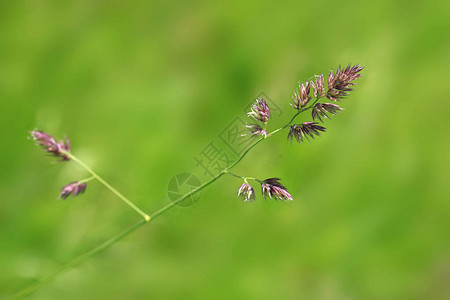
[141, 87]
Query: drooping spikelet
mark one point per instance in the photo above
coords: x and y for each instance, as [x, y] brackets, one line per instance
[255, 129]
[272, 188]
[322, 109]
[302, 131]
[246, 192]
[74, 188]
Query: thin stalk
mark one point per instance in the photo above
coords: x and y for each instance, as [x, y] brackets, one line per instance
[242, 177]
[244, 154]
[112, 189]
[172, 204]
[79, 260]
[232, 174]
[86, 180]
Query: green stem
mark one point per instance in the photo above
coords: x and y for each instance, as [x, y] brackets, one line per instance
[79, 260]
[232, 174]
[116, 192]
[244, 154]
[242, 177]
[86, 180]
[170, 205]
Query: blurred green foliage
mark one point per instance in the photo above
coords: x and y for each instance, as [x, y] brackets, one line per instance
[140, 87]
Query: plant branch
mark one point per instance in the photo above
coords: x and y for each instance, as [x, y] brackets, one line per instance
[86, 180]
[338, 87]
[112, 189]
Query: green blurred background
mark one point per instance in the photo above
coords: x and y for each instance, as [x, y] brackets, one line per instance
[142, 87]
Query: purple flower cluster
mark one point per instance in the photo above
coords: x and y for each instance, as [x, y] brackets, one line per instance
[275, 190]
[246, 192]
[318, 86]
[339, 84]
[49, 144]
[323, 109]
[73, 188]
[301, 97]
[259, 112]
[270, 187]
[255, 129]
[304, 131]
